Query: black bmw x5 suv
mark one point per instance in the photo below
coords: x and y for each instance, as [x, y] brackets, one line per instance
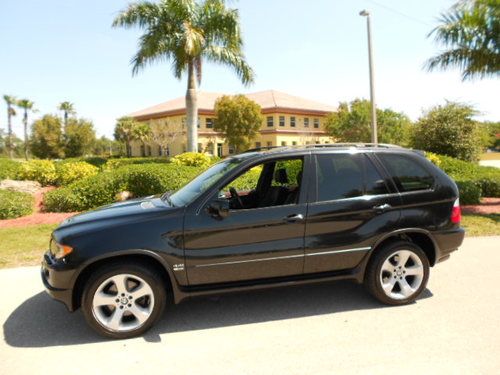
[379, 215]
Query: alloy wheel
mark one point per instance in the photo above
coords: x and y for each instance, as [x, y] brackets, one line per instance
[123, 303]
[401, 274]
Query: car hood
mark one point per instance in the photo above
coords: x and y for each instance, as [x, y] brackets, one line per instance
[121, 211]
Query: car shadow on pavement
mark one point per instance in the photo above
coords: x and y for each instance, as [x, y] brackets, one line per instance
[41, 322]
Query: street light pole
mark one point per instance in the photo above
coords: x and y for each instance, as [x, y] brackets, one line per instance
[365, 13]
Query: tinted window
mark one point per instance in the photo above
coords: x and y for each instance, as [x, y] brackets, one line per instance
[374, 182]
[339, 176]
[407, 173]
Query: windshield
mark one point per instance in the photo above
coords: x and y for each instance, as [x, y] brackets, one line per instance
[202, 182]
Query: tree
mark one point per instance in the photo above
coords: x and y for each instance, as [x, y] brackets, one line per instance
[125, 131]
[351, 123]
[164, 134]
[239, 119]
[470, 30]
[68, 108]
[142, 133]
[11, 101]
[107, 147]
[79, 137]
[449, 130]
[46, 138]
[26, 105]
[187, 33]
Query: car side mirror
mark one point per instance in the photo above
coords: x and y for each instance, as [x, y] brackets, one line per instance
[219, 208]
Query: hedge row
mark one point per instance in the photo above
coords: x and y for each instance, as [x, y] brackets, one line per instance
[47, 172]
[474, 181]
[101, 189]
[8, 168]
[15, 204]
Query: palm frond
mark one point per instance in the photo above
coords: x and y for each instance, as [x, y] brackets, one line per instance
[233, 59]
[141, 14]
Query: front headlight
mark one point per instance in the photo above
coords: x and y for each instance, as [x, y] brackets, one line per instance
[59, 251]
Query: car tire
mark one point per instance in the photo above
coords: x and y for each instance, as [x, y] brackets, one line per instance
[397, 273]
[123, 300]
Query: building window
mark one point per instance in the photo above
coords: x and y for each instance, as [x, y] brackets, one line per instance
[317, 142]
[257, 145]
[294, 143]
[198, 123]
[183, 121]
[270, 121]
[316, 123]
[219, 150]
[160, 151]
[143, 150]
[200, 147]
[292, 121]
[209, 123]
[231, 149]
[269, 144]
[283, 143]
[306, 122]
[282, 120]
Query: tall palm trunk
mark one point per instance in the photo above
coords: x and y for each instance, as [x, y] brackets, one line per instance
[25, 124]
[9, 131]
[192, 110]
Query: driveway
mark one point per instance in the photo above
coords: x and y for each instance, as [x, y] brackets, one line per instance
[490, 163]
[323, 329]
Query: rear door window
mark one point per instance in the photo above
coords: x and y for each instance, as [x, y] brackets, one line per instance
[407, 174]
[339, 176]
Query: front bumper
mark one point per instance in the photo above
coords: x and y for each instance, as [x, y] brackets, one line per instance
[447, 242]
[57, 281]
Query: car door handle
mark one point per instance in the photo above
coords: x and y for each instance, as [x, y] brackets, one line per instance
[382, 207]
[293, 218]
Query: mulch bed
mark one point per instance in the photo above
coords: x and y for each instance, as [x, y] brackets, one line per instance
[487, 206]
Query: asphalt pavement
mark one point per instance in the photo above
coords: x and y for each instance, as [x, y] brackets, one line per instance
[336, 328]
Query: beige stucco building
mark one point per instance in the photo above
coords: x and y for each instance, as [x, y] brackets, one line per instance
[288, 120]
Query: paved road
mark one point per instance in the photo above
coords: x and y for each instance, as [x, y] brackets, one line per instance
[328, 329]
[490, 163]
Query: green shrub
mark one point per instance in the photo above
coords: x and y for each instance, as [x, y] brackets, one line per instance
[120, 162]
[487, 178]
[96, 161]
[470, 192]
[60, 200]
[43, 171]
[15, 204]
[8, 168]
[101, 189]
[70, 172]
[193, 159]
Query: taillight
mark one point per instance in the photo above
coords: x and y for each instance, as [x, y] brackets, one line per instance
[456, 215]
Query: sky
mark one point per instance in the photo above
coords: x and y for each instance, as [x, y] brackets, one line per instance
[66, 50]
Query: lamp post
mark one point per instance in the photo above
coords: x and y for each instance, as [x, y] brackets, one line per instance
[365, 13]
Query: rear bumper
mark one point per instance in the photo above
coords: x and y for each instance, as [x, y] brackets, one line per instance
[447, 242]
[56, 281]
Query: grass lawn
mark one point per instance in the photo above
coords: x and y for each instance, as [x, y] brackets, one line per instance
[490, 156]
[24, 246]
[481, 225]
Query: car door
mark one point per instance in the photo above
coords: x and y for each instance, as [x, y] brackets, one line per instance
[247, 244]
[352, 203]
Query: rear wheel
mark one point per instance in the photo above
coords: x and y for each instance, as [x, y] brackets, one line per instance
[122, 301]
[398, 273]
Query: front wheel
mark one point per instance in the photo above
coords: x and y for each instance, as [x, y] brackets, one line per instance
[398, 273]
[123, 300]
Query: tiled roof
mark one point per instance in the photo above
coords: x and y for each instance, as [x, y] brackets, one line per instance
[268, 100]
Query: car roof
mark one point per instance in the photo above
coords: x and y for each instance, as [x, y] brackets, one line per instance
[318, 148]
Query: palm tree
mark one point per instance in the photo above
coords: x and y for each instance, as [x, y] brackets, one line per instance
[142, 133]
[26, 105]
[125, 131]
[11, 101]
[186, 32]
[471, 32]
[68, 108]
